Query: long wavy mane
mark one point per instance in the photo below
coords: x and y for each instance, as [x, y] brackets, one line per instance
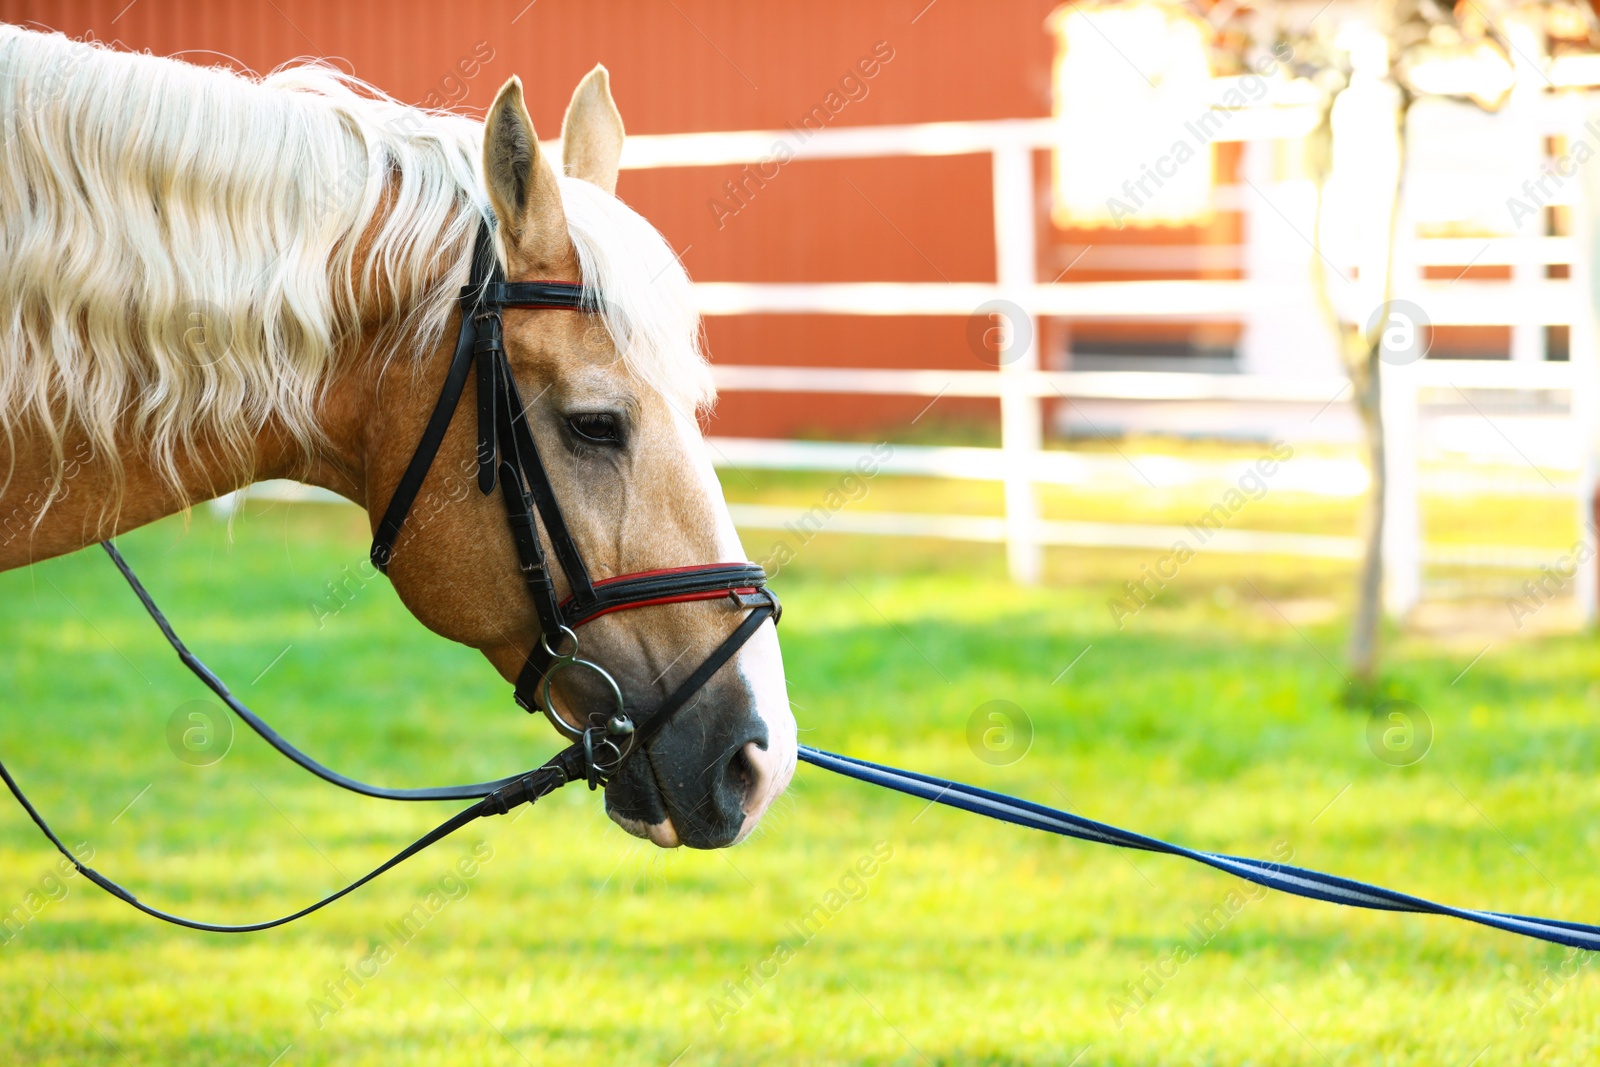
[186, 252]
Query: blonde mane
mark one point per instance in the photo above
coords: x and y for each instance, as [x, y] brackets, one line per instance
[185, 252]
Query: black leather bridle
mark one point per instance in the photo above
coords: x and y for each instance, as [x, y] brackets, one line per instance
[507, 457]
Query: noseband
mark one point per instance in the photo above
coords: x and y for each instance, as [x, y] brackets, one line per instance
[508, 457]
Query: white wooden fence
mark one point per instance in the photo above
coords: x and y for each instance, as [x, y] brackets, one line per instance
[1020, 463]
[1531, 302]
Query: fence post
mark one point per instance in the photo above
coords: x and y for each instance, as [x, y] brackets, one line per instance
[1402, 525]
[1021, 421]
[1583, 349]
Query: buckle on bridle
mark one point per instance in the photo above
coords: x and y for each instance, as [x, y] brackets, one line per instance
[598, 740]
[760, 598]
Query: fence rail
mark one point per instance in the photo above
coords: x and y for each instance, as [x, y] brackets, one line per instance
[1527, 302]
[1133, 385]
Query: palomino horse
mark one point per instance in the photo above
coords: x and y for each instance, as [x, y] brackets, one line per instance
[206, 280]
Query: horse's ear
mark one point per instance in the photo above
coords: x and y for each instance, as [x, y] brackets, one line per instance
[522, 187]
[591, 134]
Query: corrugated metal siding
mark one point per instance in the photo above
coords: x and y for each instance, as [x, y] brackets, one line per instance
[691, 65]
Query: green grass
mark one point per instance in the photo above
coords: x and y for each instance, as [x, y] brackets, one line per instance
[1204, 719]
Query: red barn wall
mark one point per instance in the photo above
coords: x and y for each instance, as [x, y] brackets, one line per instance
[695, 65]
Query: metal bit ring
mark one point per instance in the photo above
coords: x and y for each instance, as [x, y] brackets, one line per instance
[547, 702]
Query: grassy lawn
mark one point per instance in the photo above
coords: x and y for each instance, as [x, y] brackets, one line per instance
[1205, 718]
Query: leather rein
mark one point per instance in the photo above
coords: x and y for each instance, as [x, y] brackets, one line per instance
[507, 458]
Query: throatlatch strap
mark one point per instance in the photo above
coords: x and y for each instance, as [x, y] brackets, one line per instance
[488, 352]
[532, 561]
[405, 493]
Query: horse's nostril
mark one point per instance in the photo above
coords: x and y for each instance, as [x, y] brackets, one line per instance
[713, 782]
[742, 775]
[762, 771]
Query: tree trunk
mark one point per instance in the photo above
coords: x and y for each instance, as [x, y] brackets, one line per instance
[1361, 356]
[1368, 615]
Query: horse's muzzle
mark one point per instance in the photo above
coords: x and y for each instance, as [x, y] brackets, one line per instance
[702, 782]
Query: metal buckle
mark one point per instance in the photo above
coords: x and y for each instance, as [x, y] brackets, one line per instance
[762, 597]
[607, 741]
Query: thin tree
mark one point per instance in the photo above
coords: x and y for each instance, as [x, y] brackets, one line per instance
[1418, 32]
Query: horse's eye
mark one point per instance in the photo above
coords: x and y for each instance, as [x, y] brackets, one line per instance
[596, 428]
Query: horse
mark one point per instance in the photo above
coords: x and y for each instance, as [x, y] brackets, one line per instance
[209, 279]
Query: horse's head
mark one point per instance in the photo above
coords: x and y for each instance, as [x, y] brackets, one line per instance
[612, 399]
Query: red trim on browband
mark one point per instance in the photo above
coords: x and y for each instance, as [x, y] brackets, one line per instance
[676, 598]
[681, 598]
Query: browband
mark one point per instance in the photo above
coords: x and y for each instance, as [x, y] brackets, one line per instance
[553, 295]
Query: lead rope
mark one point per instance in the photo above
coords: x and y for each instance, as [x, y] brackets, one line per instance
[1297, 881]
[525, 477]
[506, 794]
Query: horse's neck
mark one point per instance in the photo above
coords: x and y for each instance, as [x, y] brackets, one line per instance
[58, 502]
[49, 507]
